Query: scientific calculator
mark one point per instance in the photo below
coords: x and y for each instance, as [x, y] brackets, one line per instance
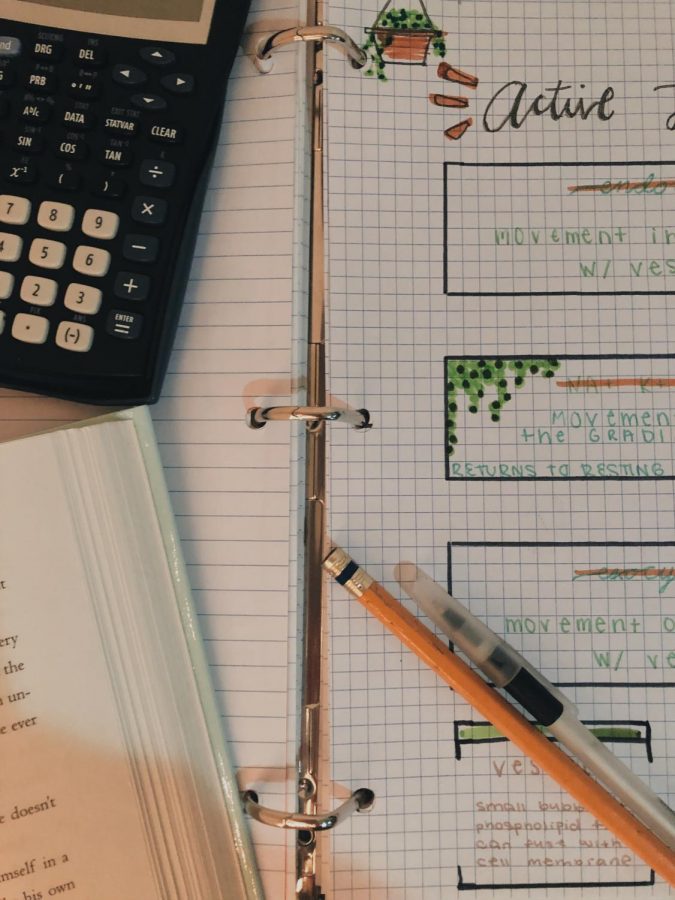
[110, 113]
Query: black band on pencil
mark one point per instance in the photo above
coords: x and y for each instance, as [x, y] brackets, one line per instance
[348, 572]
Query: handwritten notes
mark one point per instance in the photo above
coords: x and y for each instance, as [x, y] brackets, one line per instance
[502, 273]
[568, 417]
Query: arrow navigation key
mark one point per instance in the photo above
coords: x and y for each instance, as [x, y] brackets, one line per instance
[149, 101]
[179, 83]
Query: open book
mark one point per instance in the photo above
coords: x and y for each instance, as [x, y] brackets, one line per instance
[115, 778]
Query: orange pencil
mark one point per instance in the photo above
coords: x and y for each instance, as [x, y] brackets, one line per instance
[456, 673]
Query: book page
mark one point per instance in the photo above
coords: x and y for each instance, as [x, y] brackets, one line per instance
[70, 818]
[501, 215]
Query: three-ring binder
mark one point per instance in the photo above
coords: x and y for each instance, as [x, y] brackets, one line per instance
[308, 820]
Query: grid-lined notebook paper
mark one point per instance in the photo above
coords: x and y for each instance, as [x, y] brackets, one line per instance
[501, 217]
[233, 490]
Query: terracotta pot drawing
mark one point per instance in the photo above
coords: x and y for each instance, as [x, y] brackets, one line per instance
[405, 46]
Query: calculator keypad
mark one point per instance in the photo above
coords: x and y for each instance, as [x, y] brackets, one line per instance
[90, 191]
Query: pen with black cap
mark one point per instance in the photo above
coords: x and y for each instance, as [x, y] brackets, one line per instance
[507, 669]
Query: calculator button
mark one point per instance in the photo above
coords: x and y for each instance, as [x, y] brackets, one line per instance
[98, 223]
[56, 216]
[178, 84]
[23, 174]
[37, 113]
[39, 291]
[130, 75]
[108, 186]
[83, 298]
[121, 126]
[132, 286]
[74, 336]
[30, 329]
[166, 134]
[139, 248]
[114, 156]
[11, 246]
[29, 143]
[124, 325]
[78, 120]
[6, 285]
[47, 254]
[84, 88]
[7, 78]
[65, 180]
[149, 101]
[91, 56]
[9, 46]
[157, 173]
[42, 82]
[14, 210]
[48, 51]
[149, 210]
[91, 261]
[158, 56]
[72, 150]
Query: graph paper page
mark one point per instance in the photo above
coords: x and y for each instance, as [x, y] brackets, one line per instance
[234, 490]
[501, 234]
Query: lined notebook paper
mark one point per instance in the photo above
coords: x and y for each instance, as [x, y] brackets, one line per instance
[234, 490]
[501, 215]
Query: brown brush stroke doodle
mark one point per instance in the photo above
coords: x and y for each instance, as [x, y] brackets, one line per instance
[456, 131]
[443, 100]
[450, 73]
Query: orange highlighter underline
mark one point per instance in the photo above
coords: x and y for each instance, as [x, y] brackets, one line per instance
[505, 717]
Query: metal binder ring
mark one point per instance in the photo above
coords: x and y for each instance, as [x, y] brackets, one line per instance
[258, 416]
[262, 59]
[360, 801]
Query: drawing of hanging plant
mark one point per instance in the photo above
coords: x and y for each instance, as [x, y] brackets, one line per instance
[486, 381]
[402, 36]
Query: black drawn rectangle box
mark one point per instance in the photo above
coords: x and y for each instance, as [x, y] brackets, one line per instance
[589, 222]
[521, 831]
[572, 417]
[588, 613]
[627, 709]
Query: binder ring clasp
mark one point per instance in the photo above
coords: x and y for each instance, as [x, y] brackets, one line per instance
[357, 57]
[360, 801]
[258, 416]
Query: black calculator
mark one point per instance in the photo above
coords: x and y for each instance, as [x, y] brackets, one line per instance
[110, 113]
